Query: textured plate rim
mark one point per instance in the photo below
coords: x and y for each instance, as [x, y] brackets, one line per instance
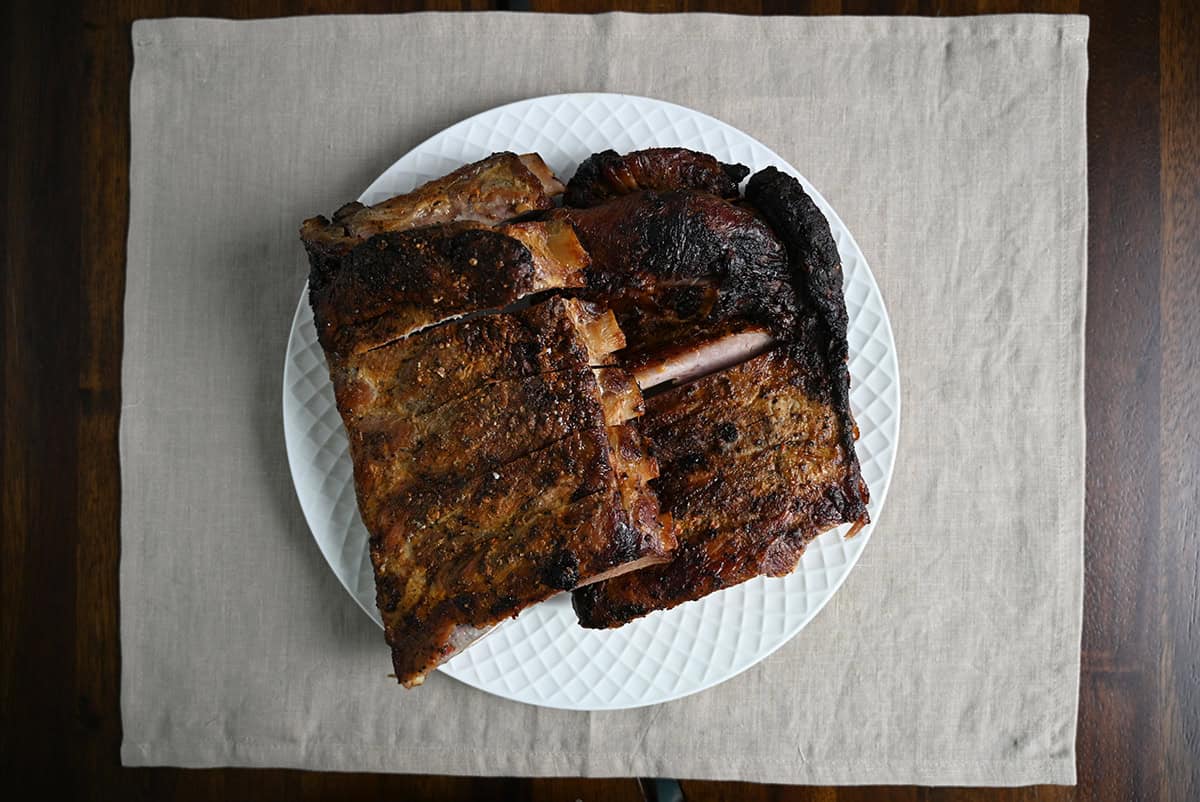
[881, 493]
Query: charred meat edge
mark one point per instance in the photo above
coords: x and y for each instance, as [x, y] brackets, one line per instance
[817, 275]
[607, 174]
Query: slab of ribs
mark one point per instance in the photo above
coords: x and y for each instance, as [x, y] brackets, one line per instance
[633, 387]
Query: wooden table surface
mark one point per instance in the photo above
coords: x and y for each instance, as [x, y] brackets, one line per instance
[65, 198]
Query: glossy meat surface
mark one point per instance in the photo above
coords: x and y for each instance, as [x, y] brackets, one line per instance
[676, 264]
[608, 174]
[421, 373]
[817, 276]
[752, 466]
[477, 550]
[758, 459]
[494, 468]
[400, 282]
[507, 456]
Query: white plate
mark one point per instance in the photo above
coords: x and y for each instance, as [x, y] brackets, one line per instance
[543, 657]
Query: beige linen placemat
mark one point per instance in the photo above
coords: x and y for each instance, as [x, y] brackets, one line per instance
[954, 149]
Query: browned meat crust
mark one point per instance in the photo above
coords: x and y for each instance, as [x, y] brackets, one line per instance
[510, 538]
[758, 459]
[445, 402]
[606, 175]
[419, 374]
[494, 460]
[493, 469]
[817, 276]
[752, 467]
[672, 263]
[400, 282]
[488, 191]
[477, 431]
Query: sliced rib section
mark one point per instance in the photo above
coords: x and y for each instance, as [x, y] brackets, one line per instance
[757, 459]
[752, 467]
[494, 467]
[689, 276]
[398, 283]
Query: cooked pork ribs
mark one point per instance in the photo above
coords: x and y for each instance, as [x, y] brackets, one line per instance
[752, 467]
[425, 372]
[495, 467]
[397, 283]
[606, 175]
[812, 254]
[687, 270]
[817, 276]
[503, 454]
[757, 459]
[498, 188]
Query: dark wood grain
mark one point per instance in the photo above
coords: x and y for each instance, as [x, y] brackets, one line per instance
[1176, 621]
[65, 139]
[1122, 388]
